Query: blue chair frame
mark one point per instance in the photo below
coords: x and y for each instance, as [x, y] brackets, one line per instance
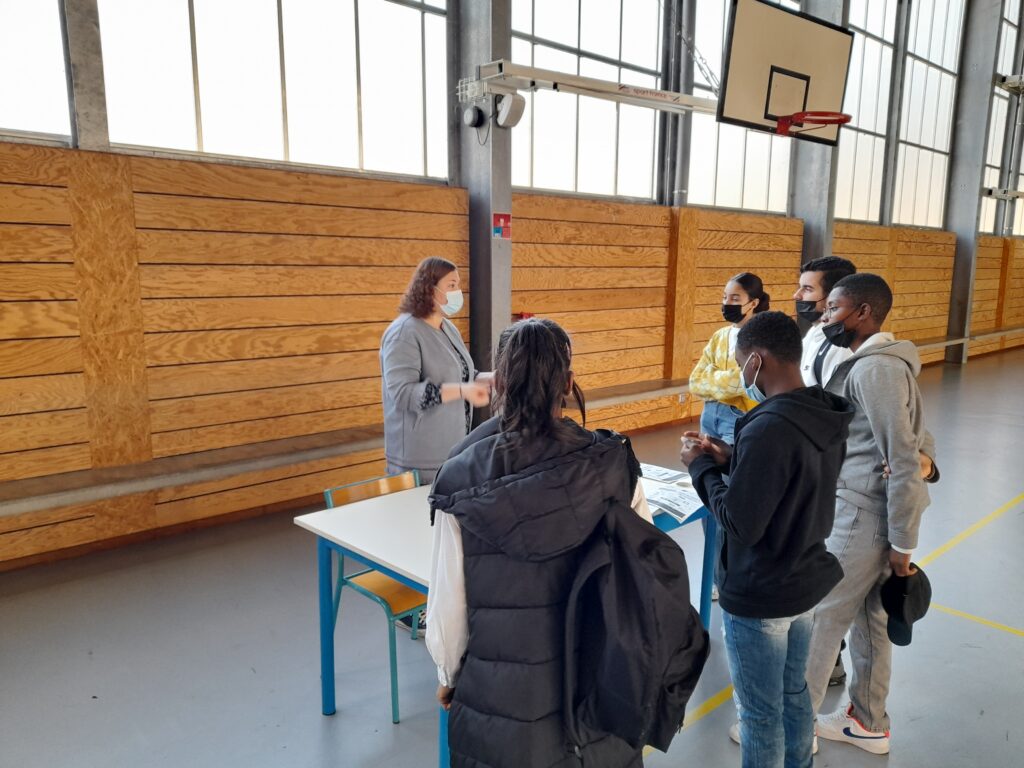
[371, 583]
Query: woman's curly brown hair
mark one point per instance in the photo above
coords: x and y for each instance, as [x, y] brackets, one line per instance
[418, 300]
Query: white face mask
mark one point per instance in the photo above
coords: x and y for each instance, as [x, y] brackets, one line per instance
[454, 303]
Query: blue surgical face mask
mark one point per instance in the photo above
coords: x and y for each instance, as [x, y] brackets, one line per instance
[454, 303]
[753, 391]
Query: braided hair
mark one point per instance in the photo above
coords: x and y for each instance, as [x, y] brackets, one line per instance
[533, 364]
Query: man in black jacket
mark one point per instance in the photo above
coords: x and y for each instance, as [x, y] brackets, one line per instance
[776, 513]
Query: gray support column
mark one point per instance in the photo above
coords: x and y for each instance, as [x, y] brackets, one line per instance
[83, 62]
[971, 117]
[892, 126]
[684, 134]
[1013, 137]
[668, 124]
[485, 34]
[812, 175]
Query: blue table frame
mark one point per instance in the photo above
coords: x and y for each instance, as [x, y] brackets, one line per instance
[326, 583]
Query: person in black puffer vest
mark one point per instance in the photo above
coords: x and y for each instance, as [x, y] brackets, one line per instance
[514, 503]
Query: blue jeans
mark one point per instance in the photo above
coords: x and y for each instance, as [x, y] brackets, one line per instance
[719, 420]
[768, 662]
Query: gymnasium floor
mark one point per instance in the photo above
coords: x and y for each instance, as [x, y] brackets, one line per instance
[201, 650]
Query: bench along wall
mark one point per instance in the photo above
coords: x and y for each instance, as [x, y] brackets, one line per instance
[153, 308]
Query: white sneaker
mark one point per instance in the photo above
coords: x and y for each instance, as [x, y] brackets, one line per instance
[841, 725]
[734, 734]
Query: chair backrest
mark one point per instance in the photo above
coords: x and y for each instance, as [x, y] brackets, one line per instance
[367, 489]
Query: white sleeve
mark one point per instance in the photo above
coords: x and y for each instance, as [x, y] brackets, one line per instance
[447, 617]
[640, 505]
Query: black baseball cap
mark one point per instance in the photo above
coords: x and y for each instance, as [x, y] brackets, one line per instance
[906, 600]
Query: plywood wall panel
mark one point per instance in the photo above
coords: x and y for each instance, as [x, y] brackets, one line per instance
[214, 180]
[253, 343]
[34, 357]
[241, 375]
[216, 215]
[30, 164]
[110, 316]
[211, 281]
[183, 247]
[28, 282]
[21, 204]
[35, 243]
[28, 394]
[38, 319]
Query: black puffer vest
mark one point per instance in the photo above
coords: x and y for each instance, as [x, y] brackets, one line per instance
[524, 508]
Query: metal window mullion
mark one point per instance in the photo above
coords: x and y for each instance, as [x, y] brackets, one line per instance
[423, 86]
[897, 82]
[930, 63]
[684, 135]
[618, 113]
[68, 80]
[195, 74]
[359, 85]
[581, 52]
[668, 126]
[576, 153]
[421, 7]
[533, 99]
[284, 84]
[870, 35]
[1013, 138]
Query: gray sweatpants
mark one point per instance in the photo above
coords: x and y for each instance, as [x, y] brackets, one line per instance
[860, 540]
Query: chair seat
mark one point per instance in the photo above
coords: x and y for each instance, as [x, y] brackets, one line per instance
[399, 597]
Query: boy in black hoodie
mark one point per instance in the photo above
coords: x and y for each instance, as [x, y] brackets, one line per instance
[776, 513]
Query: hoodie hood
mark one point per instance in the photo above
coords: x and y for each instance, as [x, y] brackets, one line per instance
[537, 499]
[822, 417]
[903, 350]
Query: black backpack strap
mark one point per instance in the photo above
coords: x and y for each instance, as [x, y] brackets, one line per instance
[819, 361]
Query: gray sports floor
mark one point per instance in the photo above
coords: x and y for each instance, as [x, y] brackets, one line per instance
[201, 650]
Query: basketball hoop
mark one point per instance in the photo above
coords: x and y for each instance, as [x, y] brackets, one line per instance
[817, 119]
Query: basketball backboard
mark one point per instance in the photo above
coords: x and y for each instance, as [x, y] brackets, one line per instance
[779, 62]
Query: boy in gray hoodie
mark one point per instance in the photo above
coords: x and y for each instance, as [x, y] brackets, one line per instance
[881, 495]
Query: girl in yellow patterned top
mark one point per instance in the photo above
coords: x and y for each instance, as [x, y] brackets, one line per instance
[716, 377]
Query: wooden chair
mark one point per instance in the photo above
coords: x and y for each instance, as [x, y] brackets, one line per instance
[397, 600]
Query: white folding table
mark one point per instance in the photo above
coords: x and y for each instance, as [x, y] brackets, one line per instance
[392, 534]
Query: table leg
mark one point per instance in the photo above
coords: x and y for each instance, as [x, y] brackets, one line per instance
[708, 571]
[325, 579]
[443, 758]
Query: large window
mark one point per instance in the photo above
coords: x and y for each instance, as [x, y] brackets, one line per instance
[862, 141]
[998, 130]
[929, 85]
[576, 143]
[33, 85]
[348, 83]
[732, 166]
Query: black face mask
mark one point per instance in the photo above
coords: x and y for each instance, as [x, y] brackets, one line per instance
[807, 310]
[732, 313]
[839, 335]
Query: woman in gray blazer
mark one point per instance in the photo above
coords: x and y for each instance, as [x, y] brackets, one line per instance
[430, 385]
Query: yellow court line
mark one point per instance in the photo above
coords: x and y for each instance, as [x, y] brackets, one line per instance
[725, 694]
[702, 711]
[708, 706]
[978, 619]
[990, 517]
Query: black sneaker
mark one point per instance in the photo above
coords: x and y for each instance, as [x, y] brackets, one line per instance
[838, 676]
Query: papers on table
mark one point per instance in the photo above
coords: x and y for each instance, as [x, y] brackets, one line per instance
[662, 474]
[676, 501]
